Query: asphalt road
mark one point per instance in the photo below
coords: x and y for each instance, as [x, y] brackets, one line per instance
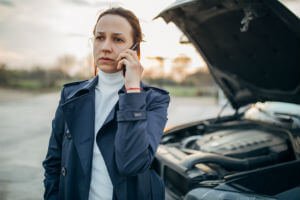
[25, 120]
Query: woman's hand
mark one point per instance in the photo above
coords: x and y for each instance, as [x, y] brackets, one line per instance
[134, 68]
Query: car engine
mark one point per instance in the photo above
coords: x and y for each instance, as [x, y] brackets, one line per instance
[203, 155]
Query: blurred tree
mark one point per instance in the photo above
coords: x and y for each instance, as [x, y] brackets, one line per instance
[180, 65]
[3, 74]
[155, 68]
[86, 67]
[201, 77]
[66, 63]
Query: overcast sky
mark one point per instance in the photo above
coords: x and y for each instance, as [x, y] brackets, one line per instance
[37, 31]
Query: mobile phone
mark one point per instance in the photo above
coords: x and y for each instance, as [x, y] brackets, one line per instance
[134, 47]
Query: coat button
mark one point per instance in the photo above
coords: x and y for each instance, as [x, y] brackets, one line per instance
[63, 171]
[68, 134]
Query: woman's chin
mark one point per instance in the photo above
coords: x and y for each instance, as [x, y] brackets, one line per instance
[108, 69]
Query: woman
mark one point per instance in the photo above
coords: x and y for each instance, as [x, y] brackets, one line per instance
[106, 130]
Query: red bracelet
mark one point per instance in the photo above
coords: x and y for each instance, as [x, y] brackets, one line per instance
[133, 88]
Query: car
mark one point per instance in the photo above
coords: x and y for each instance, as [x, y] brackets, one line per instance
[252, 49]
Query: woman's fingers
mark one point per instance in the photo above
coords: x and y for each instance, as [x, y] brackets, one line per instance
[128, 52]
[121, 63]
[132, 53]
[132, 61]
[124, 55]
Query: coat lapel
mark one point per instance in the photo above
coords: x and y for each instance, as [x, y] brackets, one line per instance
[79, 113]
[111, 115]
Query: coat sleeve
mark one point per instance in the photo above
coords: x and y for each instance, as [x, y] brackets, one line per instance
[140, 127]
[52, 162]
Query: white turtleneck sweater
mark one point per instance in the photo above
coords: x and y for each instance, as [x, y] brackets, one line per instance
[106, 96]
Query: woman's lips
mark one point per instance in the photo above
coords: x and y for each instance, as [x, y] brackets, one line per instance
[105, 60]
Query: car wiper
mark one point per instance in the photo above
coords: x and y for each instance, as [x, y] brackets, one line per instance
[286, 117]
[282, 117]
[288, 114]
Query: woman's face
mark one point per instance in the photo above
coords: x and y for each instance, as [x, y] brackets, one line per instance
[113, 34]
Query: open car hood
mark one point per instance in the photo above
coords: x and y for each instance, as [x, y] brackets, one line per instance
[251, 47]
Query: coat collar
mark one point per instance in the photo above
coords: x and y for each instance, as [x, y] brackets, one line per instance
[83, 87]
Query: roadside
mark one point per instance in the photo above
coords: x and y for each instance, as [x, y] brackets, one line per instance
[25, 126]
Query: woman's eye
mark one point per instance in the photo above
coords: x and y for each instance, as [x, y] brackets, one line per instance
[99, 37]
[118, 40]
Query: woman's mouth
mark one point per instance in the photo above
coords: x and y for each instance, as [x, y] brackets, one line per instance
[106, 60]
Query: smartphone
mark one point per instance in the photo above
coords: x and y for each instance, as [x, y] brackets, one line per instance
[134, 47]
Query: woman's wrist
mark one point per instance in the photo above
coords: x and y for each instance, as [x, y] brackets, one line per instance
[133, 89]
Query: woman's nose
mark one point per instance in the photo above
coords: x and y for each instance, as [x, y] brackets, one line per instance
[106, 46]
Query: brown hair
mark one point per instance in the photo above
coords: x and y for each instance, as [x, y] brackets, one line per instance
[133, 21]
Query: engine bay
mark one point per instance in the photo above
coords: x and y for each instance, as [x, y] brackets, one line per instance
[206, 154]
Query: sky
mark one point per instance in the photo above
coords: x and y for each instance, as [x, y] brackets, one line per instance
[35, 32]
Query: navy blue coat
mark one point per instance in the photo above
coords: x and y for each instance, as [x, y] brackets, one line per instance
[128, 141]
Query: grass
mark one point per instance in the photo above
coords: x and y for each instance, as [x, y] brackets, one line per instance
[30, 85]
[27, 84]
[191, 91]
[181, 91]
[175, 90]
